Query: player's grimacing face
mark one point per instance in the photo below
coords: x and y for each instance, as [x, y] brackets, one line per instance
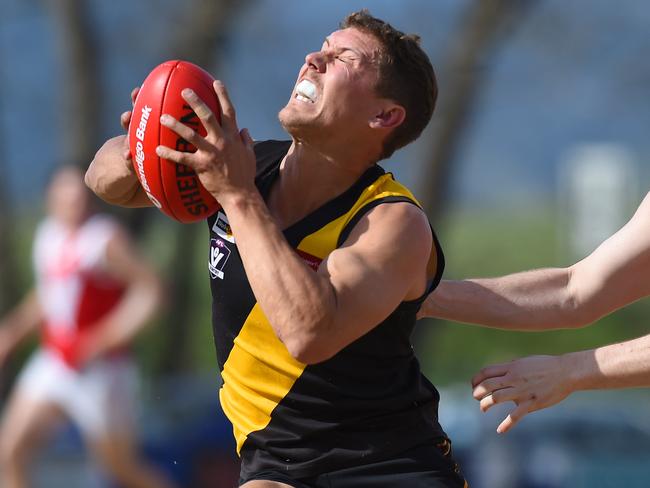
[335, 86]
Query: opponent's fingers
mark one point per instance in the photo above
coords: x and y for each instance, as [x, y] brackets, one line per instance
[202, 111]
[184, 131]
[513, 417]
[498, 396]
[228, 114]
[489, 385]
[125, 119]
[489, 372]
[134, 94]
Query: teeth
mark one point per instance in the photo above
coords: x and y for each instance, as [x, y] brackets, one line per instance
[306, 91]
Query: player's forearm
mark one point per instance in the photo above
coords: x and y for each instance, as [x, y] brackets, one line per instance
[298, 302]
[532, 300]
[112, 178]
[622, 365]
[22, 321]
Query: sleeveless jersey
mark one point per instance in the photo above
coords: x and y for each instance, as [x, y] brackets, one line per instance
[72, 283]
[369, 401]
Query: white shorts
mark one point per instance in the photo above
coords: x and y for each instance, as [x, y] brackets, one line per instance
[100, 399]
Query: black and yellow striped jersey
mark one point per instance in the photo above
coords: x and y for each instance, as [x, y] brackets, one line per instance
[369, 401]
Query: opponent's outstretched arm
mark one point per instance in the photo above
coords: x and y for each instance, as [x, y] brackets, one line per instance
[615, 274]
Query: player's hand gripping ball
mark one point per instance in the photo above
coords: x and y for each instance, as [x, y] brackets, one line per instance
[173, 188]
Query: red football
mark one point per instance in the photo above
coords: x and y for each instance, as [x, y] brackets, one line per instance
[173, 188]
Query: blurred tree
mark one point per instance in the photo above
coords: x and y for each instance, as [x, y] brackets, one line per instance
[9, 292]
[81, 97]
[485, 26]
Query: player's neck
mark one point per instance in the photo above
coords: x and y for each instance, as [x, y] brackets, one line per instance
[309, 178]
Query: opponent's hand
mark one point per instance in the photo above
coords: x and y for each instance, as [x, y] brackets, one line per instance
[532, 383]
[224, 159]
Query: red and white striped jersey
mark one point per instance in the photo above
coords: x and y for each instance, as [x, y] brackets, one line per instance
[73, 285]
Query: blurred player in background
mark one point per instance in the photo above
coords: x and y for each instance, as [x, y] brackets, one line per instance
[93, 294]
[616, 274]
[319, 262]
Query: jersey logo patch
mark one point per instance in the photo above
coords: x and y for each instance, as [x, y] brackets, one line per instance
[221, 227]
[219, 254]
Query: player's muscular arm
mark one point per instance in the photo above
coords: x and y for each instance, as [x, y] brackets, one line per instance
[112, 178]
[615, 274]
[382, 263]
[111, 174]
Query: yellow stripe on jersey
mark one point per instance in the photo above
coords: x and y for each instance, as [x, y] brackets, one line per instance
[324, 241]
[258, 374]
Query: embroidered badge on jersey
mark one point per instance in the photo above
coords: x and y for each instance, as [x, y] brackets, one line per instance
[221, 227]
[219, 254]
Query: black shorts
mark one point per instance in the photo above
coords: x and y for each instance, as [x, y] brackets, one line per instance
[427, 466]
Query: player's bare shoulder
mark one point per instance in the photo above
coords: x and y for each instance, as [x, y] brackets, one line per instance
[400, 228]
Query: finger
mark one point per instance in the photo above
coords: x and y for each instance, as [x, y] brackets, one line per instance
[202, 111]
[489, 372]
[490, 385]
[247, 139]
[127, 149]
[498, 396]
[125, 120]
[184, 131]
[513, 417]
[134, 94]
[228, 114]
[176, 156]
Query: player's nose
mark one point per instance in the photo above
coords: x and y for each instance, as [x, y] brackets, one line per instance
[316, 61]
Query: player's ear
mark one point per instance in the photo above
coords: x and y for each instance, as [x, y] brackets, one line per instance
[389, 116]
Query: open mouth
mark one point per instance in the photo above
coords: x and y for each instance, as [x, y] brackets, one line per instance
[306, 91]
